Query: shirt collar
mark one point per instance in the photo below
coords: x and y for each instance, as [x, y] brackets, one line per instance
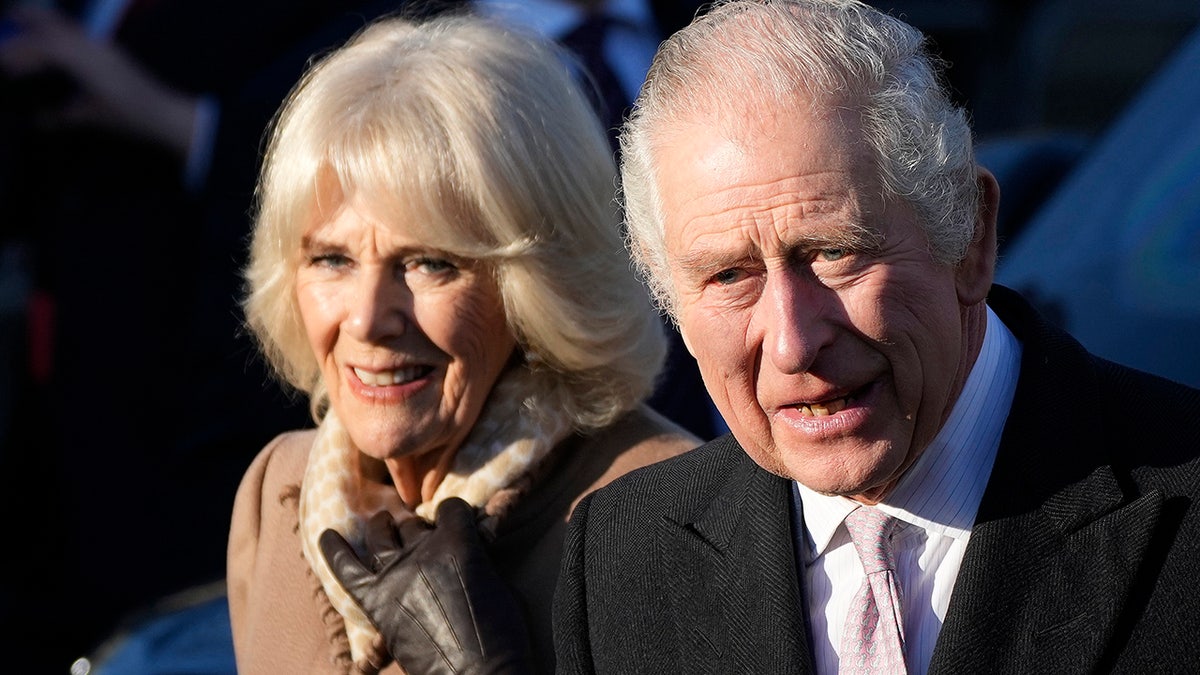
[942, 490]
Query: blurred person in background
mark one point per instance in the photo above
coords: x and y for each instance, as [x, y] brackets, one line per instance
[133, 387]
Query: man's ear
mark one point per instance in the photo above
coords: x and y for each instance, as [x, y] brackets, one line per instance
[976, 272]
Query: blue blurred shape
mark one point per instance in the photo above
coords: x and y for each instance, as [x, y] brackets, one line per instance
[1113, 255]
[8, 28]
[192, 639]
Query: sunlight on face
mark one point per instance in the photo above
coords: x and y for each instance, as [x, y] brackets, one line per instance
[410, 339]
[826, 334]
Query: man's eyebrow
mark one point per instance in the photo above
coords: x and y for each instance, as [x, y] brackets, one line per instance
[853, 235]
[705, 262]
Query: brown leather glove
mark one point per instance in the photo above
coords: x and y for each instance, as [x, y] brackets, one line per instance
[433, 594]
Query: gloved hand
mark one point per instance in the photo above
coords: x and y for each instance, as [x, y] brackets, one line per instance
[433, 594]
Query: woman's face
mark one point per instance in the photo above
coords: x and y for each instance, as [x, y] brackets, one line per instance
[410, 340]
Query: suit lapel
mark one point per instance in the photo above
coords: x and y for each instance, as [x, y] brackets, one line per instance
[1057, 545]
[1035, 594]
[732, 577]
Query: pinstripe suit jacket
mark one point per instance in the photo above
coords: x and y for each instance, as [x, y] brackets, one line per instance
[1084, 556]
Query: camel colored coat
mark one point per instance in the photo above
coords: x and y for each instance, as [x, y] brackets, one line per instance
[282, 620]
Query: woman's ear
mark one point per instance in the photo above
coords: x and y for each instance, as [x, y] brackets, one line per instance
[977, 270]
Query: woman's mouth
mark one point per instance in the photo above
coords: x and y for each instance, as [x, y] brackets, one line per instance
[387, 378]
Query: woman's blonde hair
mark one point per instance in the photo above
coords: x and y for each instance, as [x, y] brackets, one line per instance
[482, 132]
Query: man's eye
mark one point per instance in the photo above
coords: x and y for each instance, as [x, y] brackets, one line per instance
[727, 277]
[832, 254]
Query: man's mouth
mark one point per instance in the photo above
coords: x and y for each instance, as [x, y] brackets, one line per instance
[833, 406]
[824, 408]
[387, 378]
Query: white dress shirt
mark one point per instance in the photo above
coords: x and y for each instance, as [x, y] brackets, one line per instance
[936, 502]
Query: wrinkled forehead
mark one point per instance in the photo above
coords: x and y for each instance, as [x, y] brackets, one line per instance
[782, 130]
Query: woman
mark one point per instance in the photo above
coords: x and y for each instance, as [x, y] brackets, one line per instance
[436, 262]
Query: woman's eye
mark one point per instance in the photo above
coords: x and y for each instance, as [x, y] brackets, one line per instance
[431, 265]
[332, 260]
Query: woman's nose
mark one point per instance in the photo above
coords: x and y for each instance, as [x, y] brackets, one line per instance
[379, 307]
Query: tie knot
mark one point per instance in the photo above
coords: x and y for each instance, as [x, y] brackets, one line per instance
[871, 532]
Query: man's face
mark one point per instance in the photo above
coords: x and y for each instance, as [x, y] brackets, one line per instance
[830, 340]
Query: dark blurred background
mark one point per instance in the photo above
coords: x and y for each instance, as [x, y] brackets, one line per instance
[1086, 112]
[130, 404]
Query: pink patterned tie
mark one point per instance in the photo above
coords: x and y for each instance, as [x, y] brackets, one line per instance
[873, 637]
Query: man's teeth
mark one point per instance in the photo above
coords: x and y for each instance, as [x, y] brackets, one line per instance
[389, 377]
[823, 409]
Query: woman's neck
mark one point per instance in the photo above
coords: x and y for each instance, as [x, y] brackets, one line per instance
[418, 477]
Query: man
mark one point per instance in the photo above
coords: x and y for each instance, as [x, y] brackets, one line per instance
[824, 239]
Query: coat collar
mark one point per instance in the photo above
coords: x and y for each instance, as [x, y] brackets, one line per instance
[732, 565]
[1058, 545]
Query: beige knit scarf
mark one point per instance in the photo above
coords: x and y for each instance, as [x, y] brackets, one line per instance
[517, 428]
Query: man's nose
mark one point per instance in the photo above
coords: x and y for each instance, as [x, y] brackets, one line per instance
[794, 316]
